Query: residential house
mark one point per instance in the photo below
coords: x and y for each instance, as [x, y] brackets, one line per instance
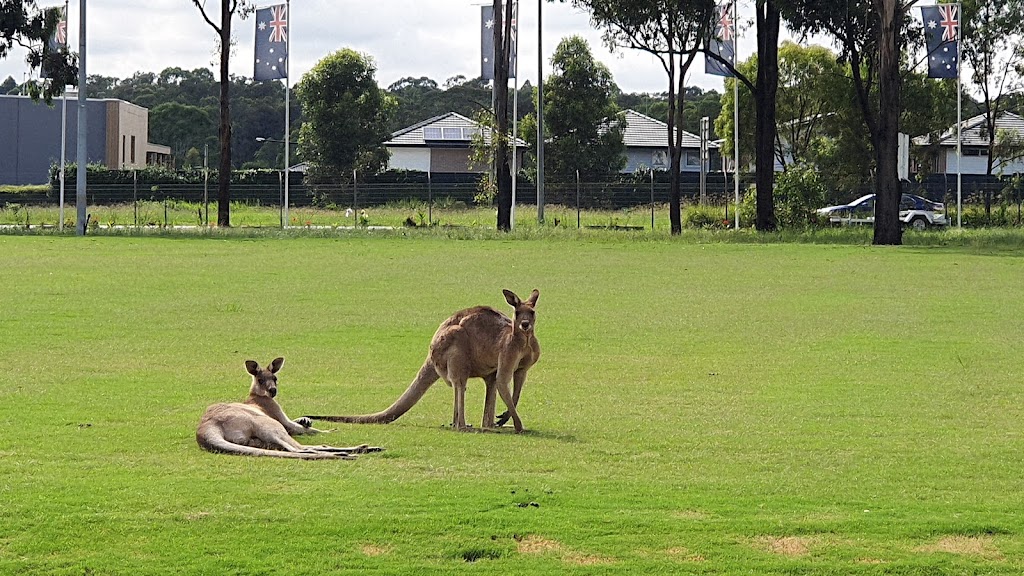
[441, 145]
[974, 148]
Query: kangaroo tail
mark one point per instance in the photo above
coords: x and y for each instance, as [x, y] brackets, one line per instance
[424, 380]
[218, 444]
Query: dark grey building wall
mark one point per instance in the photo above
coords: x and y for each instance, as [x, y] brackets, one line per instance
[30, 137]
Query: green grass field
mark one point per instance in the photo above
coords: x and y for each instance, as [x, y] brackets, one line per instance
[701, 407]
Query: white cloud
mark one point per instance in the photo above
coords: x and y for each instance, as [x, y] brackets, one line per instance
[434, 38]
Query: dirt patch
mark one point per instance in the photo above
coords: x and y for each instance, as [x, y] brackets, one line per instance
[870, 561]
[537, 545]
[374, 550]
[580, 559]
[982, 546]
[791, 546]
[684, 555]
[690, 515]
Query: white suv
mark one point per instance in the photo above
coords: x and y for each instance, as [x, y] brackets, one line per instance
[917, 212]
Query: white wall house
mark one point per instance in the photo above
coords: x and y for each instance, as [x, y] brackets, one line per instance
[646, 141]
[974, 144]
[440, 145]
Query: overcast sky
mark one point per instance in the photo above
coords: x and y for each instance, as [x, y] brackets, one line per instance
[438, 39]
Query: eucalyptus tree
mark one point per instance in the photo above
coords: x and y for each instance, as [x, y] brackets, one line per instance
[228, 10]
[502, 29]
[764, 90]
[672, 31]
[871, 36]
[346, 116]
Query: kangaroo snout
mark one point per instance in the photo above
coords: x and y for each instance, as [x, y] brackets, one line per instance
[525, 326]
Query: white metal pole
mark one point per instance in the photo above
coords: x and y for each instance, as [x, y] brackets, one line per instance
[515, 113]
[959, 125]
[287, 112]
[540, 113]
[515, 148]
[63, 154]
[736, 114]
[63, 130]
[82, 156]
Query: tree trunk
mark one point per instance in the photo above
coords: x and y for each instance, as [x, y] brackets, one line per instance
[224, 133]
[674, 152]
[768, 20]
[503, 173]
[887, 200]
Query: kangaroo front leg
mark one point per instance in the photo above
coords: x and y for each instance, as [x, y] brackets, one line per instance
[518, 380]
[503, 380]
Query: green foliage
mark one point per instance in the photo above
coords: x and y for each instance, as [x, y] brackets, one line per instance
[799, 191]
[705, 217]
[346, 117]
[583, 124]
[23, 24]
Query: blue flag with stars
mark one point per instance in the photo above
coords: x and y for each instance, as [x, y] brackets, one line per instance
[722, 43]
[271, 43]
[942, 36]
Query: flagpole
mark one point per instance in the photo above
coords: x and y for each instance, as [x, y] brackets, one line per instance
[959, 124]
[736, 114]
[515, 110]
[287, 111]
[63, 128]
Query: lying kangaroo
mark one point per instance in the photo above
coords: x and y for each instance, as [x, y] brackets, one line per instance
[259, 427]
[478, 342]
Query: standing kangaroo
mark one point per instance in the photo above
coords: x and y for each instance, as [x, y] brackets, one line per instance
[259, 427]
[478, 342]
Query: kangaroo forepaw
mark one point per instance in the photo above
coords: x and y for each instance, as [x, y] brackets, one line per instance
[502, 419]
[304, 421]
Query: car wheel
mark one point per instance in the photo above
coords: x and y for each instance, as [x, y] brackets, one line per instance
[919, 223]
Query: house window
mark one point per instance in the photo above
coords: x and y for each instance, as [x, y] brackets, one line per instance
[975, 151]
[432, 133]
[133, 149]
[123, 153]
[451, 133]
[692, 159]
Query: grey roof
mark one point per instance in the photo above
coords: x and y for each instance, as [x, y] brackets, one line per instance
[973, 131]
[646, 132]
[414, 135]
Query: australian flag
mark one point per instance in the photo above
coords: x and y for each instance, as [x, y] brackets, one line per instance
[942, 36]
[271, 43]
[722, 42]
[57, 41]
[487, 42]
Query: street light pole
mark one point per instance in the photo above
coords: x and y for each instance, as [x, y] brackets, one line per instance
[82, 151]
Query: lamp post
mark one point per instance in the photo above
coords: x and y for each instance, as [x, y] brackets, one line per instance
[287, 171]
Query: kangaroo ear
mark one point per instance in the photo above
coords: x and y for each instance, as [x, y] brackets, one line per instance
[276, 365]
[532, 300]
[252, 367]
[511, 298]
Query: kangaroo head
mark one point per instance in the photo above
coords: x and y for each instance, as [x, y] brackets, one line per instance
[264, 380]
[526, 317]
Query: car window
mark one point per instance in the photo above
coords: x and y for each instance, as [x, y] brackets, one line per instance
[907, 202]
